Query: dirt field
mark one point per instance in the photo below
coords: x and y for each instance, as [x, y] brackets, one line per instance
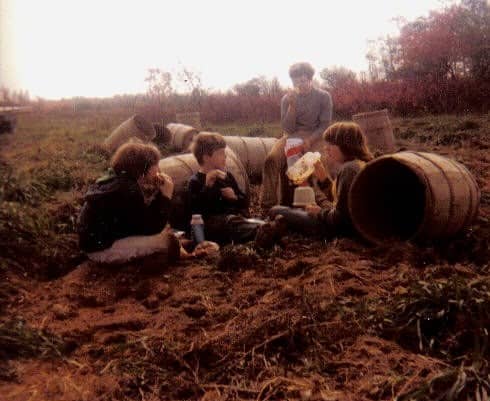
[309, 320]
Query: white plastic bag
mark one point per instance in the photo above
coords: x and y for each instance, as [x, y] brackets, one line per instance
[303, 168]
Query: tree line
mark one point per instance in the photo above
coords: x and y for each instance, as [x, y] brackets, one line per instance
[435, 64]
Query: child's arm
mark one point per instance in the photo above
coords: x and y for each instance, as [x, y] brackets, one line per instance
[340, 211]
[202, 197]
[240, 200]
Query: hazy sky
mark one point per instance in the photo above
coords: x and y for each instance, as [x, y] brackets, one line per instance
[65, 48]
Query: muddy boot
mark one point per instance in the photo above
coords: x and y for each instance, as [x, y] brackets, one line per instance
[271, 232]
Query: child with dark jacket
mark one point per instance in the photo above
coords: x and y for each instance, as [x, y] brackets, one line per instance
[116, 224]
[214, 193]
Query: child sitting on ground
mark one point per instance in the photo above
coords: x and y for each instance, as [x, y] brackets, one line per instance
[115, 224]
[347, 152]
[214, 193]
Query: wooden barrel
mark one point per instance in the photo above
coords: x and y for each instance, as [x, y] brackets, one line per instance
[377, 127]
[413, 196]
[135, 126]
[181, 136]
[252, 152]
[162, 134]
[181, 167]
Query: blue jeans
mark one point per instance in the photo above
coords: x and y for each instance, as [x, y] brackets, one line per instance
[298, 220]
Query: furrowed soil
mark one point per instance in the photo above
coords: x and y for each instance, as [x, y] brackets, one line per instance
[307, 320]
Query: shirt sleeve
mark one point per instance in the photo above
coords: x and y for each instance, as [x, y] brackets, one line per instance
[325, 115]
[323, 193]
[202, 198]
[339, 213]
[242, 201]
[288, 119]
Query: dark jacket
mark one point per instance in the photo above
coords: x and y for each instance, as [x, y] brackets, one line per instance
[114, 208]
[208, 201]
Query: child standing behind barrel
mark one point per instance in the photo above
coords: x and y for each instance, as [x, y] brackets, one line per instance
[215, 195]
[347, 152]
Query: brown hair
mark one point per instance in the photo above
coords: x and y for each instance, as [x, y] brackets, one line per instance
[135, 159]
[349, 137]
[299, 69]
[206, 143]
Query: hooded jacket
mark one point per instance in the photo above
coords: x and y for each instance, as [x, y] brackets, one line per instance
[115, 208]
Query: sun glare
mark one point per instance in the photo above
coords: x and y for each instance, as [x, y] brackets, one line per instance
[60, 49]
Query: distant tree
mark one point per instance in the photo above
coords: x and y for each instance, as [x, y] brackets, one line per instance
[4, 94]
[447, 44]
[159, 88]
[252, 87]
[336, 77]
[193, 82]
[275, 88]
[259, 86]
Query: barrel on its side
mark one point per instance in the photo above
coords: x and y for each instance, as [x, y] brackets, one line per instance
[135, 126]
[162, 134]
[377, 127]
[181, 168]
[181, 136]
[252, 152]
[413, 196]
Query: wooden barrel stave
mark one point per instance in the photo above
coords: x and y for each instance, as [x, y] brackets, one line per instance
[450, 197]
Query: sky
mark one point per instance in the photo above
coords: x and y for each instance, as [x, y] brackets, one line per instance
[99, 48]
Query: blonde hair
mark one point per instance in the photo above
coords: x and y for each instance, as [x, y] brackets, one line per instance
[349, 137]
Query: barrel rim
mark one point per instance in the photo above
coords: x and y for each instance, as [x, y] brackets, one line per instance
[143, 124]
[420, 233]
[169, 126]
[420, 176]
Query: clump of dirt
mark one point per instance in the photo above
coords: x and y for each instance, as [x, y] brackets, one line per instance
[235, 257]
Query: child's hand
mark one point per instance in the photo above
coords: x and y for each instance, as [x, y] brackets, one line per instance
[165, 184]
[213, 175]
[228, 193]
[320, 171]
[292, 97]
[206, 248]
[313, 210]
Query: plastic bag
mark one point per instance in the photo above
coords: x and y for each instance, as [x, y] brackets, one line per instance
[300, 171]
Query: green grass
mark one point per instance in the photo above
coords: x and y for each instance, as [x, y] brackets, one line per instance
[46, 167]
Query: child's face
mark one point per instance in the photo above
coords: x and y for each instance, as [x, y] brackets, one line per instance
[218, 159]
[334, 154]
[302, 84]
[150, 178]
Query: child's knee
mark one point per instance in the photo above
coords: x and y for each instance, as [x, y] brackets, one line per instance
[276, 210]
